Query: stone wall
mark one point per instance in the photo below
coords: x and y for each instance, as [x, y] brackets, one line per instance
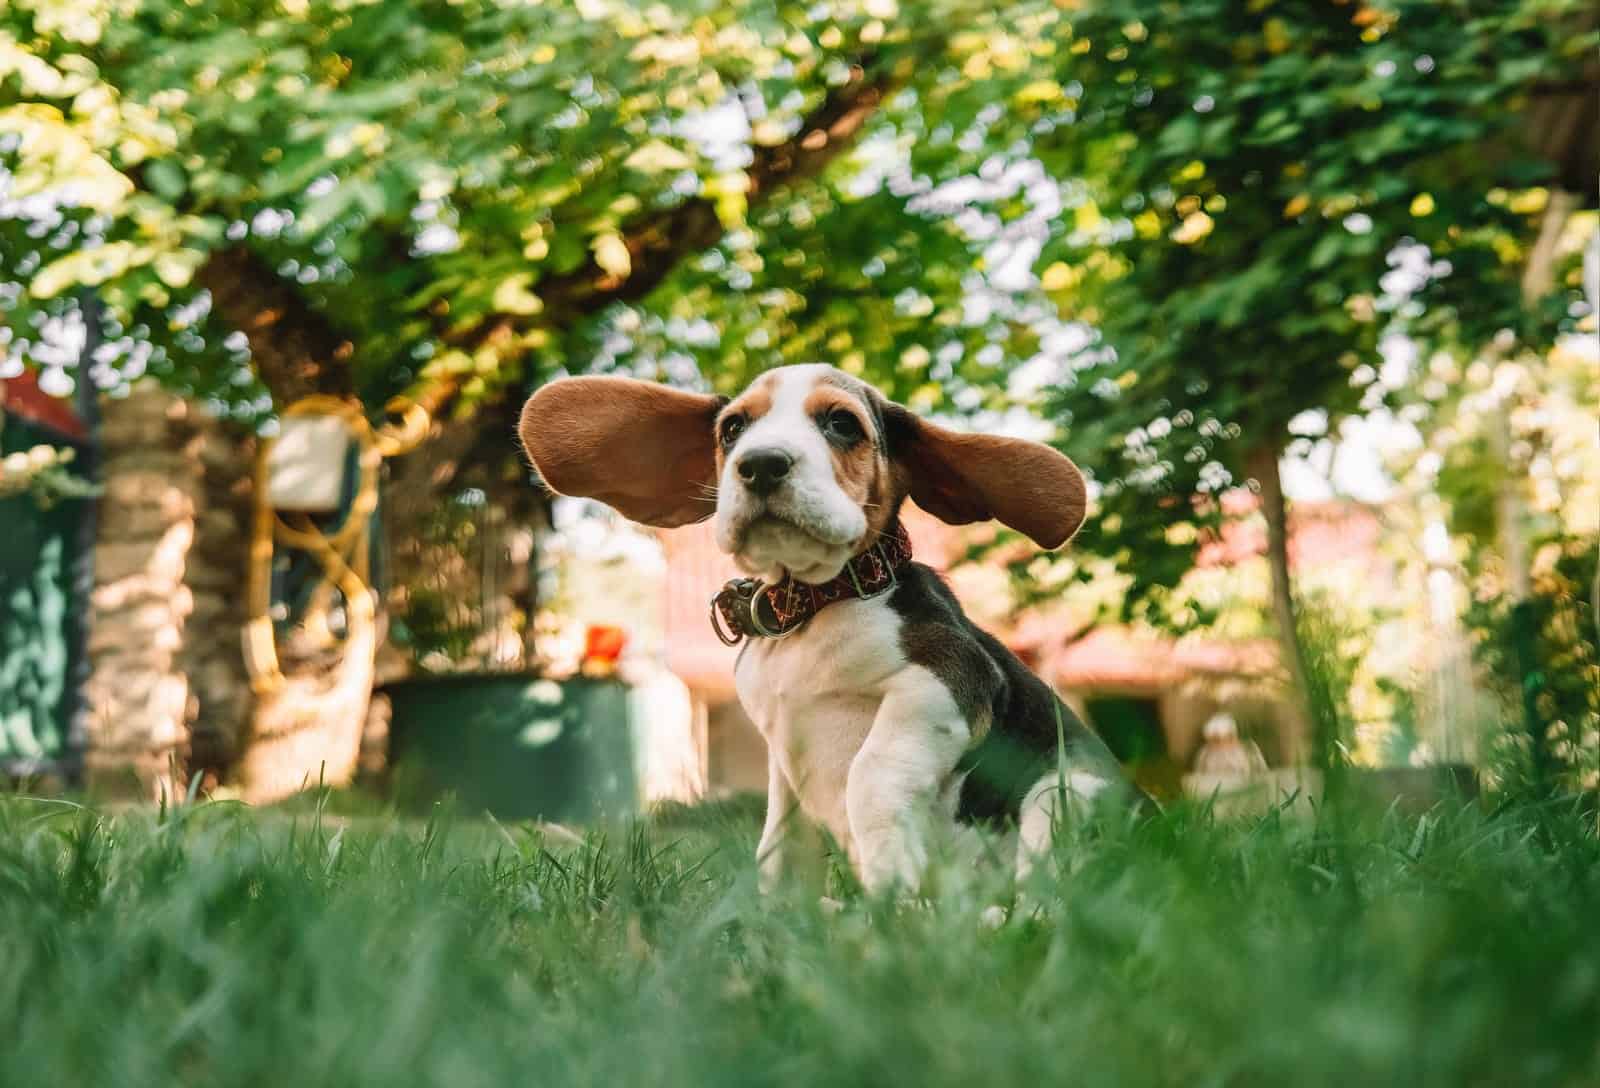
[167, 690]
[213, 657]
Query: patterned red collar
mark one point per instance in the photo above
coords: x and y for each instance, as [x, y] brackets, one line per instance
[746, 607]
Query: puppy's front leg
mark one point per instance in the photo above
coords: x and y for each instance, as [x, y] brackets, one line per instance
[790, 847]
[897, 777]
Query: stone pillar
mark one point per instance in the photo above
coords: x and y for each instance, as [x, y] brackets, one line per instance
[166, 689]
[212, 655]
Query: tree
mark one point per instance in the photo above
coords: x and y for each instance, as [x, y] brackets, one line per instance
[1509, 466]
[1251, 175]
[444, 197]
[454, 199]
[388, 192]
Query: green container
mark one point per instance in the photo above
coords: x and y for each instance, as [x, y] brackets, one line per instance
[521, 747]
[40, 618]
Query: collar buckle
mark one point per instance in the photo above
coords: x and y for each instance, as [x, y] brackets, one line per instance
[883, 557]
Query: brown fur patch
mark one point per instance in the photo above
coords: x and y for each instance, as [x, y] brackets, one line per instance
[756, 401]
[961, 478]
[862, 471]
[753, 403]
[642, 448]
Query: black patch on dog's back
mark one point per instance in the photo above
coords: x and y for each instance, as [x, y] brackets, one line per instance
[1026, 719]
[934, 634]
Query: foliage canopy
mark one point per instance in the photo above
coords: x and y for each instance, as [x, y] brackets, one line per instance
[368, 196]
[1186, 225]
[1266, 191]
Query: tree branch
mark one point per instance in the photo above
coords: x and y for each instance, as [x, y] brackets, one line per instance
[659, 243]
[296, 350]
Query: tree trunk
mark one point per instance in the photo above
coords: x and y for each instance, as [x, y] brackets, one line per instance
[296, 351]
[1538, 277]
[1263, 466]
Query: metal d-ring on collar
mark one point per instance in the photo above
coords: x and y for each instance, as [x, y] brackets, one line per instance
[747, 593]
[759, 628]
[742, 591]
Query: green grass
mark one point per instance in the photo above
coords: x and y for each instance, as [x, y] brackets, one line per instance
[218, 945]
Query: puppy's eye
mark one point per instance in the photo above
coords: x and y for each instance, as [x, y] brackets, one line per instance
[841, 426]
[731, 429]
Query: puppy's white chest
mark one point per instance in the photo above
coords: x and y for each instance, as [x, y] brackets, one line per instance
[814, 694]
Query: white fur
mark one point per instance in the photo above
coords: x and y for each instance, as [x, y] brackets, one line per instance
[860, 742]
[809, 527]
[1042, 810]
[789, 844]
[900, 777]
[814, 696]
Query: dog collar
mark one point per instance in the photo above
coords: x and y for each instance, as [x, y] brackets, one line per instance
[749, 608]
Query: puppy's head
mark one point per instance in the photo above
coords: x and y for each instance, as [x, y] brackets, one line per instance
[801, 471]
[804, 481]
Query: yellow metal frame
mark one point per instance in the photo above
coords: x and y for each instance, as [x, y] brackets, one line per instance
[343, 552]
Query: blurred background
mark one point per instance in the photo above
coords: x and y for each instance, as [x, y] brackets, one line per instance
[1307, 288]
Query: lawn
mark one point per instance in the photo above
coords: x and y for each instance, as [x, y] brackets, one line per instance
[218, 945]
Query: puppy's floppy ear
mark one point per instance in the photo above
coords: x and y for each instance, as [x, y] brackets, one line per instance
[961, 478]
[643, 448]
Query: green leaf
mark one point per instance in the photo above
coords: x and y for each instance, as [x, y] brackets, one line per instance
[166, 178]
[657, 157]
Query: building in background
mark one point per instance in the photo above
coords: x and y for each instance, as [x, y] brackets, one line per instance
[120, 601]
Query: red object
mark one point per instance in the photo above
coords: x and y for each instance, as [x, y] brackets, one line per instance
[22, 396]
[602, 643]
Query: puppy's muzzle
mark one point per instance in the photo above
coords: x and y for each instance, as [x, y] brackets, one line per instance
[764, 471]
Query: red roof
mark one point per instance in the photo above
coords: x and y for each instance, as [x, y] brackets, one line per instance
[1124, 659]
[21, 396]
[1320, 532]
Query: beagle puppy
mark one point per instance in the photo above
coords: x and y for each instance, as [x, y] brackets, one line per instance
[885, 710]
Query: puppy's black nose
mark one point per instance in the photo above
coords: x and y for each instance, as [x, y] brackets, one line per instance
[763, 470]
